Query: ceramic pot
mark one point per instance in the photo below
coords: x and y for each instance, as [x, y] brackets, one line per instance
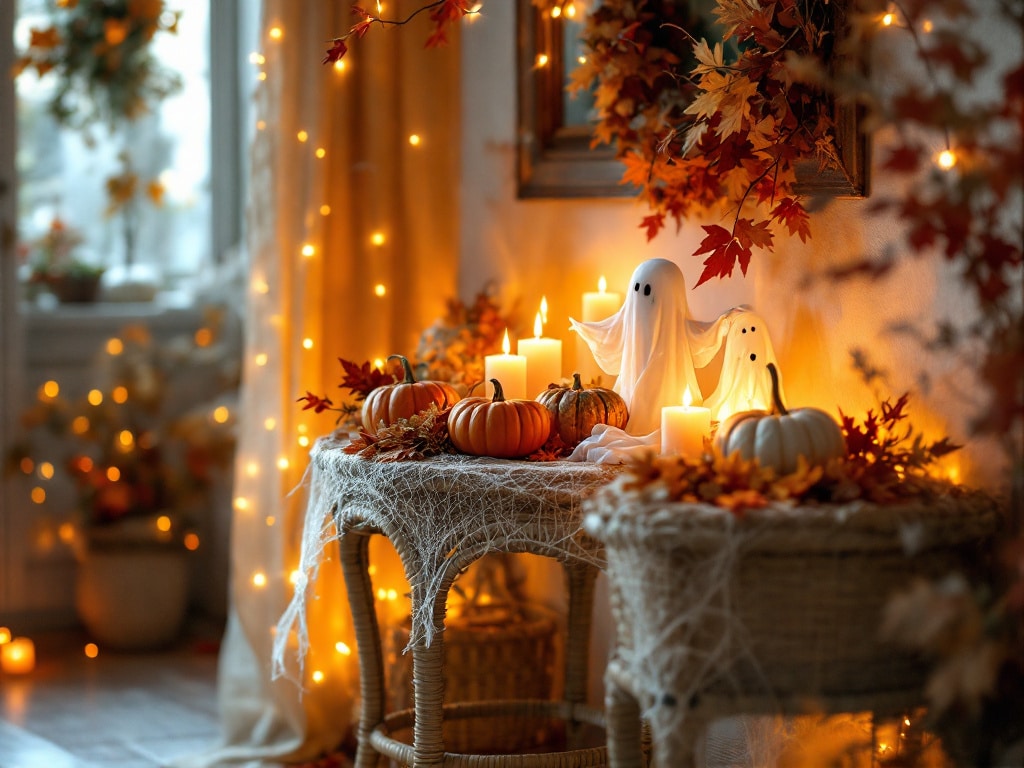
[76, 289]
[132, 598]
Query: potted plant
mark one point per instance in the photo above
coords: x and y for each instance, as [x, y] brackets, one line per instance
[55, 264]
[139, 466]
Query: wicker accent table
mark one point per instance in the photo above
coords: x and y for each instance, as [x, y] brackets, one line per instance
[773, 612]
[441, 515]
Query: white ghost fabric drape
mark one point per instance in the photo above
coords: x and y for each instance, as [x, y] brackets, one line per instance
[352, 233]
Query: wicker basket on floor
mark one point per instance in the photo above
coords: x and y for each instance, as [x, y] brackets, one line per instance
[490, 653]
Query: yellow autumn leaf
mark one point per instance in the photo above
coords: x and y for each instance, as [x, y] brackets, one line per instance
[710, 60]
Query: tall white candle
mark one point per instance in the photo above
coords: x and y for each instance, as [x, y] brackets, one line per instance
[543, 359]
[509, 370]
[685, 427]
[596, 306]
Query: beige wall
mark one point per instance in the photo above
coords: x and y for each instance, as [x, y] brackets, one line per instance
[560, 248]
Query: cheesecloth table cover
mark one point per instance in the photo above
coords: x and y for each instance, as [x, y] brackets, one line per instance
[433, 510]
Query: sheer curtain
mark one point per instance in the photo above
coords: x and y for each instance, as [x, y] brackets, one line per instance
[352, 234]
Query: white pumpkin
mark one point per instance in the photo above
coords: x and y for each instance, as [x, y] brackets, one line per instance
[777, 438]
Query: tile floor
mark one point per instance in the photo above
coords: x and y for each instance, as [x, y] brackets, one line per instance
[119, 710]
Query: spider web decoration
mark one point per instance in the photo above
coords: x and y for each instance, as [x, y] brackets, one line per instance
[441, 514]
[783, 604]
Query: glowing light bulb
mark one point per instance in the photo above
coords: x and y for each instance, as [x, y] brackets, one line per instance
[126, 438]
[50, 389]
[91, 650]
[257, 58]
[556, 12]
[119, 395]
[542, 60]
[221, 414]
[241, 503]
[5, 635]
[163, 523]
[262, 76]
[191, 541]
[269, 423]
[308, 250]
[304, 441]
[38, 495]
[307, 343]
[261, 125]
[95, 397]
[380, 290]
[293, 577]
[203, 337]
[570, 10]
[946, 159]
[66, 532]
[46, 470]
[340, 65]
[342, 648]
[252, 469]
[80, 425]
[283, 463]
[270, 520]
[260, 359]
[302, 136]
[318, 676]
[927, 26]
[887, 21]
[320, 153]
[325, 210]
[275, 33]
[414, 139]
[113, 474]
[259, 579]
[377, 238]
[378, 363]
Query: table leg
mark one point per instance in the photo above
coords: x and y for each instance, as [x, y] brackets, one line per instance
[625, 739]
[355, 560]
[581, 579]
[428, 692]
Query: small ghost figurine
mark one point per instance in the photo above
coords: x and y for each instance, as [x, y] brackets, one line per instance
[744, 383]
[646, 344]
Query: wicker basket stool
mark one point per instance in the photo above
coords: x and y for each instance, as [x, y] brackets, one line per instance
[776, 611]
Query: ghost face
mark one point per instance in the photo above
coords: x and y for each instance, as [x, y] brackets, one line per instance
[744, 383]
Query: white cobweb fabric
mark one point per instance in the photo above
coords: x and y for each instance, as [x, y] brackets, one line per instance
[437, 513]
[777, 605]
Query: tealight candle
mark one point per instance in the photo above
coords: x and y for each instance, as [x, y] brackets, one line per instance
[685, 427]
[543, 359]
[18, 657]
[509, 370]
[596, 306]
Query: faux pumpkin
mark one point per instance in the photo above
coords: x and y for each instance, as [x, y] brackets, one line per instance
[504, 429]
[576, 410]
[403, 399]
[776, 438]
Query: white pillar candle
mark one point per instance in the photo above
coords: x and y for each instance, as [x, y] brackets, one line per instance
[18, 657]
[684, 428]
[543, 359]
[509, 370]
[596, 306]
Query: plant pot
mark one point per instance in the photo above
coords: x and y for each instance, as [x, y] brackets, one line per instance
[74, 289]
[132, 597]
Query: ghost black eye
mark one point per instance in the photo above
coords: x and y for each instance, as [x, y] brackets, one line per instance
[647, 290]
[636, 287]
[744, 330]
[753, 328]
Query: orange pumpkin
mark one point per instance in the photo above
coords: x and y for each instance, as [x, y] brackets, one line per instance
[403, 399]
[504, 429]
[575, 410]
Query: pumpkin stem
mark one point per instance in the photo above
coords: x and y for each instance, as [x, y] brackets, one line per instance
[499, 395]
[409, 379]
[776, 397]
[576, 383]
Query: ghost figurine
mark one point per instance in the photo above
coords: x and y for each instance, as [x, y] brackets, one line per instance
[646, 344]
[744, 383]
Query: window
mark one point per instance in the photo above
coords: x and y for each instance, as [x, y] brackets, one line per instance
[166, 225]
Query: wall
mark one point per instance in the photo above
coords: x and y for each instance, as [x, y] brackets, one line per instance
[559, 248]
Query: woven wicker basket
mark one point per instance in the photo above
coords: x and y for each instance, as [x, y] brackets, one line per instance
[490, 653]
[781, 605]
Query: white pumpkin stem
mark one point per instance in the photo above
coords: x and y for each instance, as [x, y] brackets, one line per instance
[409, 379]
[499, 395]
[776, 397]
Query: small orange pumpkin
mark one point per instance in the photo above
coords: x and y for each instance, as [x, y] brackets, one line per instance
[575, 410]
[403, 399]
[504, 429]
[776, 439]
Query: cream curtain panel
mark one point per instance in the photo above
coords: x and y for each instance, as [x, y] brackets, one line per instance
[352, 235]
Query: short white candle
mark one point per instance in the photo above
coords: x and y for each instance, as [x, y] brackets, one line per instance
[509, 370]
[543, 359]
[684, 428]
[18, 657]
[598, 306]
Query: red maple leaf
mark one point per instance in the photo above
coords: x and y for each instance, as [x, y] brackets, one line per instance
[724, 249]
[337, 50]
[317, 403]
[653, 224]
[362, 379]
[792, 214]
[751, 234]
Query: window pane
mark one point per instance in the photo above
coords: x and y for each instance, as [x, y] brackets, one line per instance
[63, 172]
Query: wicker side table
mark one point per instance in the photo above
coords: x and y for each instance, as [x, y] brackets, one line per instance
[441, 515]
[775, 612]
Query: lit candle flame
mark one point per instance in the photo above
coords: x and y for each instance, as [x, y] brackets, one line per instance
[602, 285]
[687, 398]
[506, 346]
[538, 327]
[544, 309]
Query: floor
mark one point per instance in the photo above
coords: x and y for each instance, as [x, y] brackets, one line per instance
[118, 710]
